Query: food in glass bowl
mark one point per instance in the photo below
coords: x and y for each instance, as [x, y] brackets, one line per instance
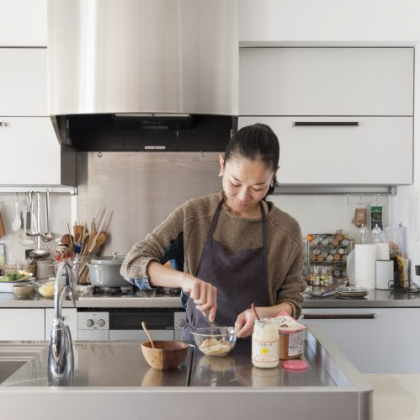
[46, 289]
[215, 341]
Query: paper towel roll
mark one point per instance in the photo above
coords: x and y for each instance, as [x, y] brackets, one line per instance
[365, 264]
[384, 274]
[382, 251]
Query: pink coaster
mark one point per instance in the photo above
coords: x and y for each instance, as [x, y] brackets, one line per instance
[295, 365]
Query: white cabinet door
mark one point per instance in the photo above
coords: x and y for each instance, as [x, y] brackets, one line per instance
[326, 81]
[377, 151]
[30, 153]
[23, 23]
[22, 324]
[70, 319]
[23, 82]
[376, 340]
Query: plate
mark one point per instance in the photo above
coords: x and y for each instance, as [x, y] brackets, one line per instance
[352, 289]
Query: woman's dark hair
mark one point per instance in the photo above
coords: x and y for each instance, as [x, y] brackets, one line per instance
[256, 142]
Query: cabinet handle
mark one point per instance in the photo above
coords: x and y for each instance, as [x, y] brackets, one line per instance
[326, 123]
[3, 124]
[339, 316]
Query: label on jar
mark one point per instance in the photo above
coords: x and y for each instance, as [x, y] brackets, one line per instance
[296, 343]
[265, 351]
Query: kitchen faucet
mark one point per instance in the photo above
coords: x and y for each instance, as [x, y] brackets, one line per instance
[60, 351]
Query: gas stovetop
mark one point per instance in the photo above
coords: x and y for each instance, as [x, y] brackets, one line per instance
[130, 297]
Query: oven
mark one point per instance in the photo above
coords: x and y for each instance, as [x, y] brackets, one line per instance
[115, 324]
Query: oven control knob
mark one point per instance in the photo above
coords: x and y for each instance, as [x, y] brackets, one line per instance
[89, 323]
[181, 323]
[101, 323]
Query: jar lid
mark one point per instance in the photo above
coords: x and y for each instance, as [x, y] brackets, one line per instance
[295, 365]
[112, 260]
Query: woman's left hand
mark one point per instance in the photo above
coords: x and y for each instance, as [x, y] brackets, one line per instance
[245, 323]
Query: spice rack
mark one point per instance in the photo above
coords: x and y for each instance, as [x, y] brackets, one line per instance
[328, 257]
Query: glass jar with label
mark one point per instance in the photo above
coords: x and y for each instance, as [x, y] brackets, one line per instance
[265, 345]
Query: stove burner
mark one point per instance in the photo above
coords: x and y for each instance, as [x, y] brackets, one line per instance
[113, 291]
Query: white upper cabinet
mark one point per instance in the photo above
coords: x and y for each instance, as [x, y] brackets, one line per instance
[355, 151]
[23, 23]
[326, 81]
[23, 82]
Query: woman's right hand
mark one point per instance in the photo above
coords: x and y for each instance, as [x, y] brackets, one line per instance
[203, 294]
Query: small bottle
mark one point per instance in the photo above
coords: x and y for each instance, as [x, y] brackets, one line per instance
[265, 345]
[363, 235]
[377, 234]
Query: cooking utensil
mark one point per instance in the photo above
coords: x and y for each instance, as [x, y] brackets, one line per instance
[143, 325]
[16, 224]
[39, 253]
[255, 311]
[105, 271]
[2, 231]
[48, 235]
[24, 239]
[33, 231]
[166, 354]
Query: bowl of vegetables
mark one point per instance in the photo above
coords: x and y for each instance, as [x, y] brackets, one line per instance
[8, 281]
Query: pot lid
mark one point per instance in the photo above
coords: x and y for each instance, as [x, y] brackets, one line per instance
[111, 260]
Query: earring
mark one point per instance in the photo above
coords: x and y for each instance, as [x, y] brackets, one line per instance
[220, 174]
[272, 183]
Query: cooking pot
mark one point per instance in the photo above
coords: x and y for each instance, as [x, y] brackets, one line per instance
[105, 271]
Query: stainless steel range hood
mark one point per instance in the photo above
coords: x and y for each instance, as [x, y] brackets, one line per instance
[112, 62]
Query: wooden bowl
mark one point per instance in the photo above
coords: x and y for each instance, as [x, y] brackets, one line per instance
[166, 355]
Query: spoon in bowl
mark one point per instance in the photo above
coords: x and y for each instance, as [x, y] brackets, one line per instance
[143, 324]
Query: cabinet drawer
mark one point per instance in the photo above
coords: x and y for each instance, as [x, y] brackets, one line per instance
[23, 82]
[326, 81]
[376, 151]
[22, 324]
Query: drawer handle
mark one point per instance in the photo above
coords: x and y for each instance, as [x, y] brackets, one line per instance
[3, 124]
[339, 316]
[326, 123]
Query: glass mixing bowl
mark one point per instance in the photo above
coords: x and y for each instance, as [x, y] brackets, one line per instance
[215, 341]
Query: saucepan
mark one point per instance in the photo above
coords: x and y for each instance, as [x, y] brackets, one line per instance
[105, 271]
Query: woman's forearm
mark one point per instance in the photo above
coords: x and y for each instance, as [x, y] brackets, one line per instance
[163, 276]
[272, 311]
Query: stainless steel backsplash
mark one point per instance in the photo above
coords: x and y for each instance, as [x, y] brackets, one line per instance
[140, 189]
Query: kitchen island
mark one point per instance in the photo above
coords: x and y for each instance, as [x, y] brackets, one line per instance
[113, 380]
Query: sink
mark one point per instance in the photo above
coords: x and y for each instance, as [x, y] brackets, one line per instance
[13, 355]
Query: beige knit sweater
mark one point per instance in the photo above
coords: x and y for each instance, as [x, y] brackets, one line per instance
[193, 219]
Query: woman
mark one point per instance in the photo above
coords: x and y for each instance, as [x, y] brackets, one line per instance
[234, 248]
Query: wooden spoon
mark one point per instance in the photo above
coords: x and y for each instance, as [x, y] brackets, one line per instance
[66, 239]
[143, 324]
[255, 311]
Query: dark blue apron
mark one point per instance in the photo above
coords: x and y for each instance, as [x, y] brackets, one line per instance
[241, 278]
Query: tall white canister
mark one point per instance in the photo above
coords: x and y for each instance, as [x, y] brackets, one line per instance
[384, 274]
[365, 265]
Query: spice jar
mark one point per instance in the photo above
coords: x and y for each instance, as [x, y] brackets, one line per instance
[265, 345]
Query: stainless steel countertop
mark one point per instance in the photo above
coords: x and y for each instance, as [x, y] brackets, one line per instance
[227, 387]
[375, 299]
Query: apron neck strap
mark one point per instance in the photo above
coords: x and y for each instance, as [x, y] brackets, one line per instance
[216, 218]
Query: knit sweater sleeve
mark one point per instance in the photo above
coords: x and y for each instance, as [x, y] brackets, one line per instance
[293, 286]
[153, 246]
